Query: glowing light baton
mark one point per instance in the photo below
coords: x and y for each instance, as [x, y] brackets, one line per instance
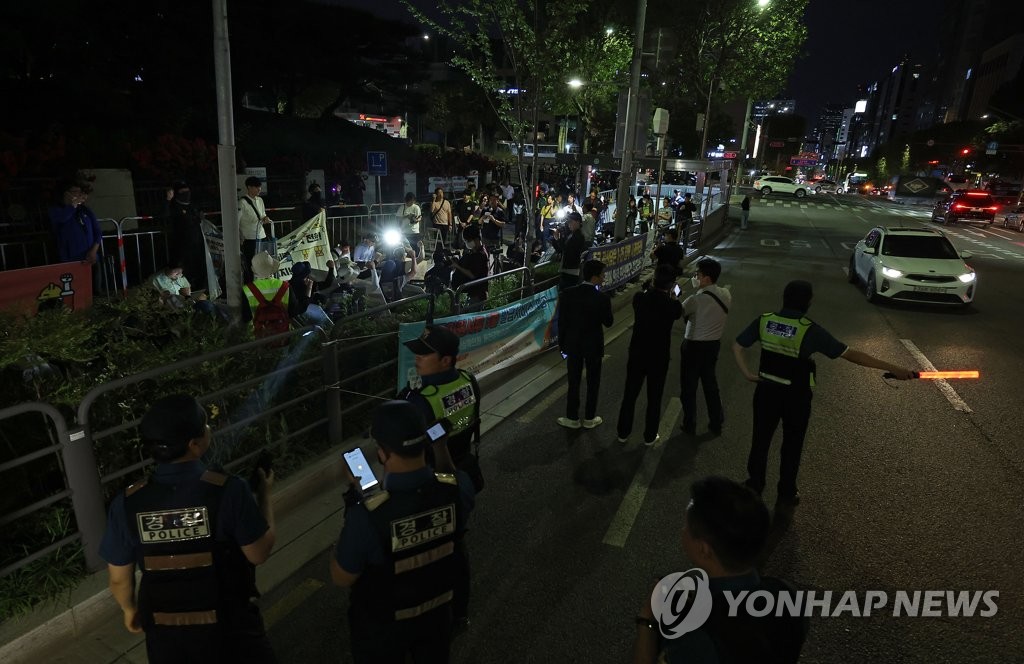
[939, 375]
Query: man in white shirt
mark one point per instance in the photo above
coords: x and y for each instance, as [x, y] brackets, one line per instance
[705, 313]
[410, 216]
[252, 224]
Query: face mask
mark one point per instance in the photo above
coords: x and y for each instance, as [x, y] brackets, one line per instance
[695, 282]
[183, 198]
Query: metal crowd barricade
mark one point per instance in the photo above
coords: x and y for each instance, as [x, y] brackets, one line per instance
[81, 485]
[523, 289]
[24, 246]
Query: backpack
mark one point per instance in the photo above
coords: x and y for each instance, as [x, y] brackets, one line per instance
[271, 317]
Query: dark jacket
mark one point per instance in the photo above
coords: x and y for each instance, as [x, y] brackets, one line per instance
[77, 231]
[582, 310]
[655, 312]
[572, 249]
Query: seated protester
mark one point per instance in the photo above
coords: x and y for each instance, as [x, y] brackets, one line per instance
[264, 271]
[725, 529]
[439, 277]
[536, 251]
[397, 266]
[176, 292]
[670, 253]
[365, 250]
[304, 288]
[472, 266]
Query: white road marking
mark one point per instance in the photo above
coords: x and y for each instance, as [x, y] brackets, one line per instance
[633, 500]
[944, 387]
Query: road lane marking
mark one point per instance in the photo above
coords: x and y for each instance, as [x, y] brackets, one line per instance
[633, 500]
[291, 601]
[944, 387]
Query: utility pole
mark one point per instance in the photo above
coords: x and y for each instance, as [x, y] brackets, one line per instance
[226, 159]
[629, 139]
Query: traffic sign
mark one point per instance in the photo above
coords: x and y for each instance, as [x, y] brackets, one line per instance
[729, 155]
[991, 148]
[777, 144]
[377, 164]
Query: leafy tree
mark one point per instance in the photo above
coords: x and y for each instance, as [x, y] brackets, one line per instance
[731, 48]
[905, 159]
[882, 168]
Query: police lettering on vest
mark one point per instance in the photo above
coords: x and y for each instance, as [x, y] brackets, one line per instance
[781, 341]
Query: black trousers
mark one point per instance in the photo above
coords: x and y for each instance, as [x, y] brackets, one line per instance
[426, 638]
[574, 365]
[654, 373]
[239, 637]
[773, 404]
[698, 366]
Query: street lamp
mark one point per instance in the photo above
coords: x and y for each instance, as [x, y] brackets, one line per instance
[608, 31]
[575, 84]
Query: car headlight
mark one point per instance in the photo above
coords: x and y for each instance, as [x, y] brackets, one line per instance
[967, 278]
[891, 273]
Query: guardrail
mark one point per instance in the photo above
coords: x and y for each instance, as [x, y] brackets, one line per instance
[524, 286]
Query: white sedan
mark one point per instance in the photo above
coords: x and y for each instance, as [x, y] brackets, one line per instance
[777, 184]
[912, 264]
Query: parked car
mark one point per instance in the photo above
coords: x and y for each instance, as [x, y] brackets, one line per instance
[779, 185]
[968, 206]
[912, 264]
[1014, 218]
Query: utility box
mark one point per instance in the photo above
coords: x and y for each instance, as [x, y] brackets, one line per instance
[660, 124]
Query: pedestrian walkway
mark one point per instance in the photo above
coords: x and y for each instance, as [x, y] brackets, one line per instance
[868, 208]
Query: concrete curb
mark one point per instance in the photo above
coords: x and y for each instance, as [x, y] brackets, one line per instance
[309, 513]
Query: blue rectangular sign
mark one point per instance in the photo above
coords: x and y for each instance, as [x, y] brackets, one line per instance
[377, 163]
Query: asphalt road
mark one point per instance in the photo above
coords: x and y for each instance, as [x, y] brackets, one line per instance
[900, 490]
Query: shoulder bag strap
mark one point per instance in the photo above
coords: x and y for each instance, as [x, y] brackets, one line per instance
[719, 301]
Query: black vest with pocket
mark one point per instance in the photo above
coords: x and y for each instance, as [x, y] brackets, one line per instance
[189, 577]
[418, 532]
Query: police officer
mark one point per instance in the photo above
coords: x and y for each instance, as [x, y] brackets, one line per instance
[450, 394]
[197, 535]
[784, 381]
[398, 549]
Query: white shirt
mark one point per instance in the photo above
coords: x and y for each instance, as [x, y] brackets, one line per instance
[705, 319]
[249, 225]
[411, 214]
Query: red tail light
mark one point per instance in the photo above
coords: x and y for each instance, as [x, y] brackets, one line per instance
[994, 208]
[959, 206]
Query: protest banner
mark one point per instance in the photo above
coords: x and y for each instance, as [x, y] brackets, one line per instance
[623, 260]
[489, 340]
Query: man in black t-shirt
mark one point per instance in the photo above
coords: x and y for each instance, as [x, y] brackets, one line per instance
[472, 266]
[670, 253]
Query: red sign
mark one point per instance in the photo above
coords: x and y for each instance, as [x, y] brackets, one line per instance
[33, 289]
[729, 155]
[777, 144]
[371, 118]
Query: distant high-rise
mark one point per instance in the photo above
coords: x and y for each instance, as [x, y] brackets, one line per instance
[827, 130]
[764, 108]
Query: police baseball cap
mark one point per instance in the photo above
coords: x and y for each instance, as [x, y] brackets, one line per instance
[169, 425]
[435, 339]
[399, 426]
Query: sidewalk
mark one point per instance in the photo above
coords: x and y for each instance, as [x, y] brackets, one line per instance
[308, 506]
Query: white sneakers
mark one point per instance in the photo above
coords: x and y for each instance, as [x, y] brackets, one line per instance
[657, 437]
[576, 424]
[569, 424]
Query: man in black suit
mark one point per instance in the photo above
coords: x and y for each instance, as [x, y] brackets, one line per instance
[582, 310]
[656, 309]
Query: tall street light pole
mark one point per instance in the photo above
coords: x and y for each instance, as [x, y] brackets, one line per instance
[226, 158]
[629, 138]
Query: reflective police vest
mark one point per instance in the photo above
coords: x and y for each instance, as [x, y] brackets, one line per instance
[188, 576]
[269, 288]
[418, 532]
[458, 402]
[781, 338]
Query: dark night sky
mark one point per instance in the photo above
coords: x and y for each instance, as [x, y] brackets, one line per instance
[858, 41]
[849, 42]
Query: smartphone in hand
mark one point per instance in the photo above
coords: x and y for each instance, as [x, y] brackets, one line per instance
[361, 470]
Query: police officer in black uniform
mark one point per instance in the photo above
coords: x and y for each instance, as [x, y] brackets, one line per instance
[453, 395]
[784, 380]
[398, 548]
[197, 535]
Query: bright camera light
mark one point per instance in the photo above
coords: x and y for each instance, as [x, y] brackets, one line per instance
[392, 237]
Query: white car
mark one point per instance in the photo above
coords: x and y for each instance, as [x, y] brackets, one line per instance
[777, 184]
[912, 264]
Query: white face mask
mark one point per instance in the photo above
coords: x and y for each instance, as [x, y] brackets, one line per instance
[695, 282]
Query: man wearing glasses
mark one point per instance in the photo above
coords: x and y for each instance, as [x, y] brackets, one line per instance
[705, 313]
